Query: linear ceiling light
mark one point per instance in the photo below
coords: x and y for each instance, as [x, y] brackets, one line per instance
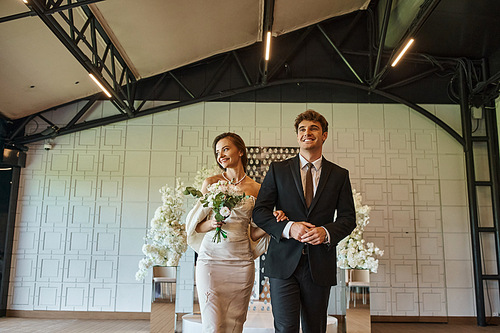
[268, 45]
[402, 52]
[100, 85]
[25, 1]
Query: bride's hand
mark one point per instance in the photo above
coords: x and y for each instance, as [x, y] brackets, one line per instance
[208, 225]
[280, 215]
[214, 224]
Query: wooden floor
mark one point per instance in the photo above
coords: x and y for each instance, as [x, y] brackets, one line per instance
[163, 320]
[108, 326]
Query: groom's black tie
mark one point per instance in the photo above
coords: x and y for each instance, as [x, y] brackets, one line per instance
[309, 185]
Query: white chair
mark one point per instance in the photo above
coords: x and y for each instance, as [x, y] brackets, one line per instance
[165, 276]
[359, 279]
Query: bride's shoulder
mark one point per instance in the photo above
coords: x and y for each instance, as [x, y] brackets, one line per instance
[254, 188]
[209, 181]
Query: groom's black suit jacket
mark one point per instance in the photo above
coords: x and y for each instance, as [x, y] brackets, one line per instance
[282, 188]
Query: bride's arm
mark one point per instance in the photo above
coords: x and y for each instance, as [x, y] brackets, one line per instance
[256, 233]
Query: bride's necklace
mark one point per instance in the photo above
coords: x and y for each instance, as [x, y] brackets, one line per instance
[234, 183]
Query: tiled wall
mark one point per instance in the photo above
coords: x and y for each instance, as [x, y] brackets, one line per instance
[84, 206]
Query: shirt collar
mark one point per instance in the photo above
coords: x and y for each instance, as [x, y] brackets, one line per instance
[317, 163]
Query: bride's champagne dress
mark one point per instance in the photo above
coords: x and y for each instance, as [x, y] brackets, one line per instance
[225, 271]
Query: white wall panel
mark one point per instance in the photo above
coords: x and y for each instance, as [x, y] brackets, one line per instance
[425, 166]
[370, 115]
[242, 114]
[106, 241]
[102, 297]
[461, 302]
[109, 188]
[21, 295]
[405, 302]
[75, 297]
[137, 163]
[217, 114]
[104, 269]
[432, 302]
[268, 114]
[77, 268]
[170, 117]
[192, 114]
[113, 137]
[164, 137]
[79, 241]
[85, 163]
[380, 301]
[24, 268]
[111, 163]
[127, 266]
[344, 116]
[88, 139]
[131, 241]
[431, 274]
[50, 268]
[47, 296]
[129, 297]
[457, 246]
[81, 214]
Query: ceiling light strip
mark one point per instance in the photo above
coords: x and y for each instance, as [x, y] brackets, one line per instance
[268, 45]
[403, 52]
[100, 85]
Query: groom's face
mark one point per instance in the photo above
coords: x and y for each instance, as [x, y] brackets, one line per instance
[310, 135]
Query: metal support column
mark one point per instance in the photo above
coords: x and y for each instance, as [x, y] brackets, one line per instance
[479, 229]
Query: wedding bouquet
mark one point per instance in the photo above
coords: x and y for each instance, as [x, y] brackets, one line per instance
[353, 251]
[222, 197]
[167, 238]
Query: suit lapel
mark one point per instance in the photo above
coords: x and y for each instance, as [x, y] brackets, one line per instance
[326, 170]
[295, 169]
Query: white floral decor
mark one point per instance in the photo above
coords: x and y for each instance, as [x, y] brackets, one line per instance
[353, 251]
[167, 238]
[204, 173]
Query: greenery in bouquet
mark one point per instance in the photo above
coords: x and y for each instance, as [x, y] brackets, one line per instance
[353, 251]
[222, 197]
[167, 238]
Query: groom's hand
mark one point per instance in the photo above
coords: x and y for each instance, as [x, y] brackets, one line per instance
[314, 236]
[298, 229]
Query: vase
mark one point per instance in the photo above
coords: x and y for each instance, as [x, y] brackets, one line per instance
[356, 293]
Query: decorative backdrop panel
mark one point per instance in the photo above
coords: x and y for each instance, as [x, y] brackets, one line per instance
[84, 206]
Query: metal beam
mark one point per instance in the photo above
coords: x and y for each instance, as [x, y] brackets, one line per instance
[425, 11]
[383, 33]
[339, 53]
[40, 8]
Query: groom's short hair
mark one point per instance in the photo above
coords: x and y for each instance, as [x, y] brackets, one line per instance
[311, 115]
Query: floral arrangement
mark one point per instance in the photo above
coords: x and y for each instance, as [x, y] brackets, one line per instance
[222, 197]
[167, 238]
[353, 251]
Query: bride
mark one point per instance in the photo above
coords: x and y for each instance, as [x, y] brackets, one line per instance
[225, 271]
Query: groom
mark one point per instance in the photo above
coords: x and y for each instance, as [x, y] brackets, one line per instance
[301, 258]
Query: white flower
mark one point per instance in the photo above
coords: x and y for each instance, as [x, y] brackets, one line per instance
[225, 211]
[353, 251]
[167, 236]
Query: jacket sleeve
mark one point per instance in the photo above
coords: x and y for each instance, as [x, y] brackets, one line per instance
[345, 222]
[264, 207]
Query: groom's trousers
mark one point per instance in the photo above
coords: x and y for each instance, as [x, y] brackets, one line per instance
[297, 299]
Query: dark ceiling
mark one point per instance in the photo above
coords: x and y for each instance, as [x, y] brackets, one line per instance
[463, 28]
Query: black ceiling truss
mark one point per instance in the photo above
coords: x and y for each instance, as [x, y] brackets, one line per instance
[106, 65]
[227, 75]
